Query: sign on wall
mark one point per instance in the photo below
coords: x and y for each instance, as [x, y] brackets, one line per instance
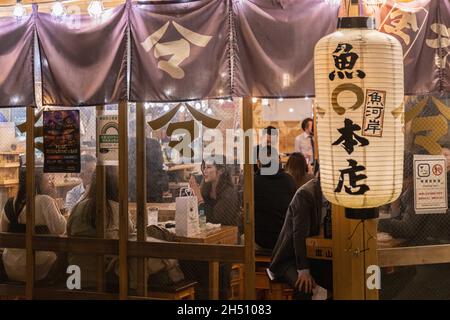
[62, 141]
[108, 139]
[430, 184]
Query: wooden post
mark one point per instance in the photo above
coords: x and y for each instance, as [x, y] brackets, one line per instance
[30, 203]
[141, 194]
[353, 8]
[123, 200]
[371, 254]
[100, 212]
[249, 208]
[214, 280]
[351, 257]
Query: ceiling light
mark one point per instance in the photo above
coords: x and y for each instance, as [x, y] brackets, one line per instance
[95, 8]
[19, 10]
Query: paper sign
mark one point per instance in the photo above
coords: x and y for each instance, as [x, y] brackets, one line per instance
[108, 139]
[430, 184]
[62, 141]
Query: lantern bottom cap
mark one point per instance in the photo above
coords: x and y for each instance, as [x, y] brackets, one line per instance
[361, 214]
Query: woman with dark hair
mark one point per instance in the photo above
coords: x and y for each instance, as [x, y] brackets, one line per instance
[297, 167]
[48, 220]
[218, 198]
[216, 194]
[82, 222]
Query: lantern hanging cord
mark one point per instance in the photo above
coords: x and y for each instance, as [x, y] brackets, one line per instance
[351, 236]
[365, 243]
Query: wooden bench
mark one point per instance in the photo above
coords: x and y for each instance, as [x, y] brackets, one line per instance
[184, 290]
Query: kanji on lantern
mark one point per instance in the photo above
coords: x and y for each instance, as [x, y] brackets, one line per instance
[374, 113]
[349, 138]
[344, 61]
[352, 187]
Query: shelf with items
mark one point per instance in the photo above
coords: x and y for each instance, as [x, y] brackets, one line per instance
[9, 168]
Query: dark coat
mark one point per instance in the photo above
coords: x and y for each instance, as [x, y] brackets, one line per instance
[273, 194]
[303, 219]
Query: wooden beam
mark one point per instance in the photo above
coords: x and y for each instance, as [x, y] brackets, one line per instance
[214, 280]
[100, 210]
[123, 200]
[348, 263]
[175, 250]
[410, 256]
[12, 240]
[249, 206]
[30, 204]
[76, 245]
[141, 194]
[370, 254]
[186, 251]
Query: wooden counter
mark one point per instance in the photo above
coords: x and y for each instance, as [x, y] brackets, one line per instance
[222, 235]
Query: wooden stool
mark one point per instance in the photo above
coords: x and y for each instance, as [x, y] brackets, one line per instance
[184, 290]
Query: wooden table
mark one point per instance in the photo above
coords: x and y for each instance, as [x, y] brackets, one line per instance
[166, 211]
[222, 235]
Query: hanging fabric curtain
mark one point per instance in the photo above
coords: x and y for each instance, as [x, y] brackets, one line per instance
[276, 40]
[415, 24]
[83, 59]
[16, 62]
[180, 51]
[441, 31]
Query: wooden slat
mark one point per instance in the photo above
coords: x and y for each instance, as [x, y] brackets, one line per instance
[141, 194]
[410, 256]
[100, 211]
[76, 245]
[176, 250]
[214, 280]
[30, 204]
[12, 240]
[249, 216]
[186, 251]
[123, 200]
[15, 290]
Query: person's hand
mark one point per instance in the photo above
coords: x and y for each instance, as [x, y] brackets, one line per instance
[195, 188]
[305, 282]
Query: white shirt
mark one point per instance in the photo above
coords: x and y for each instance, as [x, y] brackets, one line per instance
[303, 145]
[14, 260]
[74, 196]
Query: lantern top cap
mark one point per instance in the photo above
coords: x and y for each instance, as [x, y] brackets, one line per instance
[356, 23]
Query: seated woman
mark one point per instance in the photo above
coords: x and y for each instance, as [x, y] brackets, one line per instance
[218, 198]
[83, 222]
[217, 195]
[48, 220]
[297, 167]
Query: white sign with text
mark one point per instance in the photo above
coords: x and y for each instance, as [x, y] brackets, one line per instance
[430, 184]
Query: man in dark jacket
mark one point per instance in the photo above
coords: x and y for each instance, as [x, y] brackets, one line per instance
[289, 261]
[273, 193]
[157, 178]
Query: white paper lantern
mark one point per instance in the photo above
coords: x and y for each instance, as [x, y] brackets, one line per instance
[359, 104]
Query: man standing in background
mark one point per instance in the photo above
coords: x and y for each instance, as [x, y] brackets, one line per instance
[304, 142]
